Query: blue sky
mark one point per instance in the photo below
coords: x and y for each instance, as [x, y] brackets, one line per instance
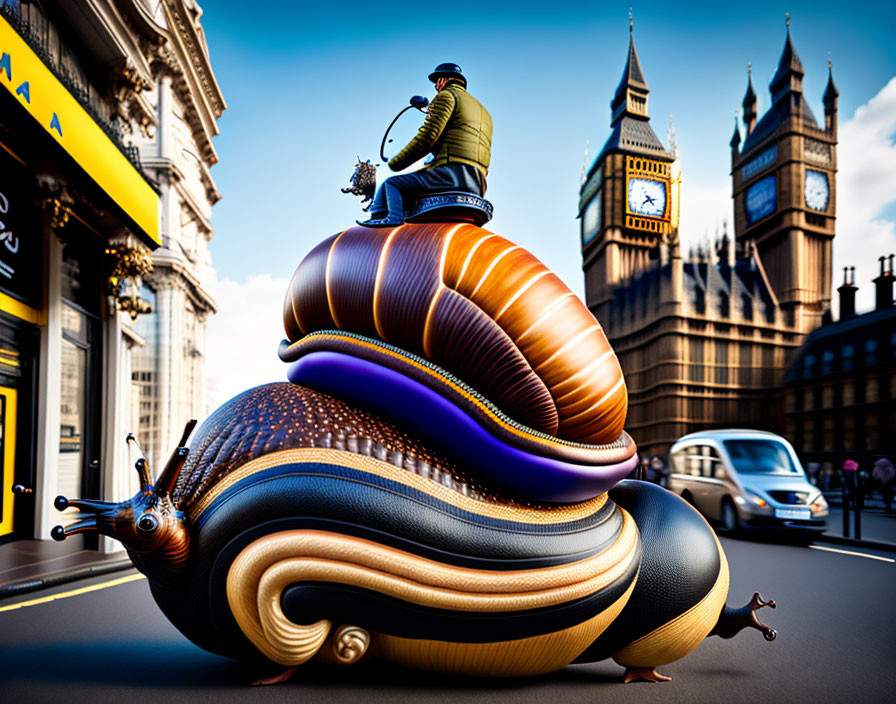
[311, 86]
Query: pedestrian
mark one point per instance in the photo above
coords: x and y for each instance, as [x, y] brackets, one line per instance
[885, 475]
[848, 480]
[659, 471]
[813, 472]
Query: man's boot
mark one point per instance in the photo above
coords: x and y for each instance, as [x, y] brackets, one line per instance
[394, 203]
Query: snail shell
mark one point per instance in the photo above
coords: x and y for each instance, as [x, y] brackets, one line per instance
[439, 496]
[476, 305]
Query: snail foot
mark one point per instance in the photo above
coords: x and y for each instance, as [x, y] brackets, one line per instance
[644, 674]
[733, 621]
[280, 677]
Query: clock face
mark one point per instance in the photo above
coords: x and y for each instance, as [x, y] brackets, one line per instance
[817, 190]
[591, 220]
[647, 197]
[761, 200]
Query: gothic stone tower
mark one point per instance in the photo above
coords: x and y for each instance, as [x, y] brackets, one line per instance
[626, 202]
[784, 191]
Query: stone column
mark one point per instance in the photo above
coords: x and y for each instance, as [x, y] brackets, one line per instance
[165, 117]
[164, 301]
[49, 382]
[115, 416]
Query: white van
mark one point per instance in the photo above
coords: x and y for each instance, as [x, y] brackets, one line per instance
[745, 478]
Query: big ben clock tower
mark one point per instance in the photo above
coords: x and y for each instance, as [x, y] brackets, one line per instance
[784, 191]
[626, 203]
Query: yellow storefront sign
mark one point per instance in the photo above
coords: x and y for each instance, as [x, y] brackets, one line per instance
[35, 87]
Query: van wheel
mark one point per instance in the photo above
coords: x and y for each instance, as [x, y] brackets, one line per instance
[686, 495]
[730, 520]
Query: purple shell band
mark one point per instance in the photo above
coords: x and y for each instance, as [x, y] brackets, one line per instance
[448, 428]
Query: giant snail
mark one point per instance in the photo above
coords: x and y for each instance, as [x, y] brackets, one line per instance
[440, 484]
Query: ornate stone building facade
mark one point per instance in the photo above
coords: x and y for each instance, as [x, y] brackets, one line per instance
[705, 341]
[107, 112]
[840, 391]
[176, 149]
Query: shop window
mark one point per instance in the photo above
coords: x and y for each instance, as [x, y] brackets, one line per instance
[82, 275]
[78, 432]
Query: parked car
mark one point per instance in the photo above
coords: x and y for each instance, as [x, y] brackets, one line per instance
[745, 478]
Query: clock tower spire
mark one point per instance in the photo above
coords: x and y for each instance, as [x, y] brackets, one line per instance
[749, 103]
[830, 102]
[626, 202]
[784, 191]
[631, 93]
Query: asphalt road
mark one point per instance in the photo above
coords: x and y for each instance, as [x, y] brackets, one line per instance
[836, 623]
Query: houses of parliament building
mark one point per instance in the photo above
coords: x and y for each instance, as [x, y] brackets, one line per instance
[705, 341]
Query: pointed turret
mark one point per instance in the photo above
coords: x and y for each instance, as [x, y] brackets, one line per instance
[787, 99]
[749, 103]
[789, 76]
[830, 101]
[631, 93]
[735, 138]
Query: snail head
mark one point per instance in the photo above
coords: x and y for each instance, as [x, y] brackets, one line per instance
[148, 524]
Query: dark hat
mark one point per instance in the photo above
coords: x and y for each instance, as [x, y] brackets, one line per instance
[447, 71]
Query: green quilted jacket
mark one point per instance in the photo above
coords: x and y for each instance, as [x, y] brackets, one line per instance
[457, 130]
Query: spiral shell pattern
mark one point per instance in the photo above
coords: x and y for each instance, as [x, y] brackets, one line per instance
[477, 305]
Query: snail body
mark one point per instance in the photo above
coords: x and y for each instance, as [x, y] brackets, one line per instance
[384, 504]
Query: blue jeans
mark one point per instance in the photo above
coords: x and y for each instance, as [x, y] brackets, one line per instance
[399, 192]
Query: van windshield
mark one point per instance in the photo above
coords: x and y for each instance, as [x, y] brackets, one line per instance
[760, 457]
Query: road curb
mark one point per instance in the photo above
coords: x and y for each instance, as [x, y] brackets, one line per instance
[26, 586]
[852, 542]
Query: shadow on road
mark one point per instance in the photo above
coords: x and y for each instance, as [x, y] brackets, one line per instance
[155, 664]
[132, 663]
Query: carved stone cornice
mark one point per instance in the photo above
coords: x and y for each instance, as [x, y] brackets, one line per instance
[185, 57]
[192, 37]
[139, 20]
[166, 60]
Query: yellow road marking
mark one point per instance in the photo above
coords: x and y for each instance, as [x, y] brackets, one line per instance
[73, 592]
[850, 552]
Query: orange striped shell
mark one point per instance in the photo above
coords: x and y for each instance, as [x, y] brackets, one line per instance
[477, 305]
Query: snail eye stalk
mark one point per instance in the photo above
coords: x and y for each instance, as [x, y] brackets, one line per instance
[86, 505]
[59, 533]
[168, 477]
[140, 463]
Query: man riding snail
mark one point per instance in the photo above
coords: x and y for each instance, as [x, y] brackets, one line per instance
[457, 132]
